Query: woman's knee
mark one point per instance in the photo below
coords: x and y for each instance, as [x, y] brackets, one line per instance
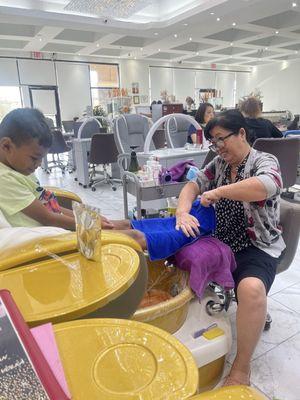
[252, 289]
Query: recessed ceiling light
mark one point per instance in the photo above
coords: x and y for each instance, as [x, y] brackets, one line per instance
[40, 39]
[230, 57]
[79, 54]
[276, 32]
[296, 52]
[231, 44]
[190, 39]
[158, 49]
[175, 35]
[234, 24]
[135, 58]
[185, 24]
[218, 19]
[97, 44]
[266, 48]
[141, 49]
[212, 13]
[197, 54]
[294, 4]
[155, 33]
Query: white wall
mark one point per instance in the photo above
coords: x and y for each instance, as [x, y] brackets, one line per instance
[8, 73]
[280, 85]
[135, 71]
[73, 82]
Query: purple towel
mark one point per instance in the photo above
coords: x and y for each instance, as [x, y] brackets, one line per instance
[176, 173]
[207, 260]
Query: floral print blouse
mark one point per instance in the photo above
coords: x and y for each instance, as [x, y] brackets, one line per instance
[261, 217]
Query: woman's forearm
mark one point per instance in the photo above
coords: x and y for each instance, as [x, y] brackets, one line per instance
[187, 196]
[251, 189]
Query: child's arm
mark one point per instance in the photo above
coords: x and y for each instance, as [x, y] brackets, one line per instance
[37, 211]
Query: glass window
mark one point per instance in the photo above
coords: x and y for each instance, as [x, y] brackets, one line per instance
[10, 98]
[104, 75]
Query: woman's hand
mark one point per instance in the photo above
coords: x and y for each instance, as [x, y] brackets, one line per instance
[188, 224]
[105, 223]
[210, 197]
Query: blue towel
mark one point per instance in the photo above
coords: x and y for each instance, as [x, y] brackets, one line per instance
[163, 240]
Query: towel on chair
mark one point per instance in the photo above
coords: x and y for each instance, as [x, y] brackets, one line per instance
[163, 240]
[207, 260]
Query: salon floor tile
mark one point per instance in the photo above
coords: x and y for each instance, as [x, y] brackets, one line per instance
[276, 372]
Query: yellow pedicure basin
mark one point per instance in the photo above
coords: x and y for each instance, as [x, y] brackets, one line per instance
[50, 281]
[231, 393]
[121, 359]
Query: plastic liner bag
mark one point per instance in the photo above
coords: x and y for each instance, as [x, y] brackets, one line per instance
[88, 230]
[164, 283]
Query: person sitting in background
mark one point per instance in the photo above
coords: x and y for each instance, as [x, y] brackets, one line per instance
[190, 104]
[258, 127]
[25, 139]
[245, 185]
[204, 114]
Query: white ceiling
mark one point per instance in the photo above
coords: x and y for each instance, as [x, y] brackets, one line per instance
[249, 32]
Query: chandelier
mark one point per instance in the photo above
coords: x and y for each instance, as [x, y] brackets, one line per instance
[107, 8]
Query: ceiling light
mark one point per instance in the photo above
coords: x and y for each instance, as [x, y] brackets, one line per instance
[296, 52]
[175, 35]
[158, 49]
[113, 8]
[185, 24]
[231, 44]
[266, 48]
[276, 32]
[190, 39]
[135, 58]
[218, 19]
[97, 44]
[155, 33]
[141, 49]
[212, 13]
[294, 4]
[197, 54]
[234, 24]
[79, 54]
[40, 39]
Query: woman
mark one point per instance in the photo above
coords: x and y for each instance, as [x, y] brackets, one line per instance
[245, 186]
[204, 114]
[258, 127]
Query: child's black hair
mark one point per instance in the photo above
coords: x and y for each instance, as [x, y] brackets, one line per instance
[24, 124]
[231, 120]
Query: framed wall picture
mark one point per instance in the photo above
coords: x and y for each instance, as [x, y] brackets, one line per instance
[136, 99]
[135, 88]
[144, 99]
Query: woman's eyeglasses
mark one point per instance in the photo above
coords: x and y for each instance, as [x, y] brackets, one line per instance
[219, 143]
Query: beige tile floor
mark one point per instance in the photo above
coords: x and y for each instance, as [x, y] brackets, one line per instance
[276, 361]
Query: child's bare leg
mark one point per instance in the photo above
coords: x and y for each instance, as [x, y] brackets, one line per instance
[138, 236]
[121, 225]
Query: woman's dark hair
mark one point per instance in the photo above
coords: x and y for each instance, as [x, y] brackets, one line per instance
[24, 124]
[231, 120]
[199, 117]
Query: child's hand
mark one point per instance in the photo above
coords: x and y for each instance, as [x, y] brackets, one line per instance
[105, 223]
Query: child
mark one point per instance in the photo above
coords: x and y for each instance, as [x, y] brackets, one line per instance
[25, 139]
